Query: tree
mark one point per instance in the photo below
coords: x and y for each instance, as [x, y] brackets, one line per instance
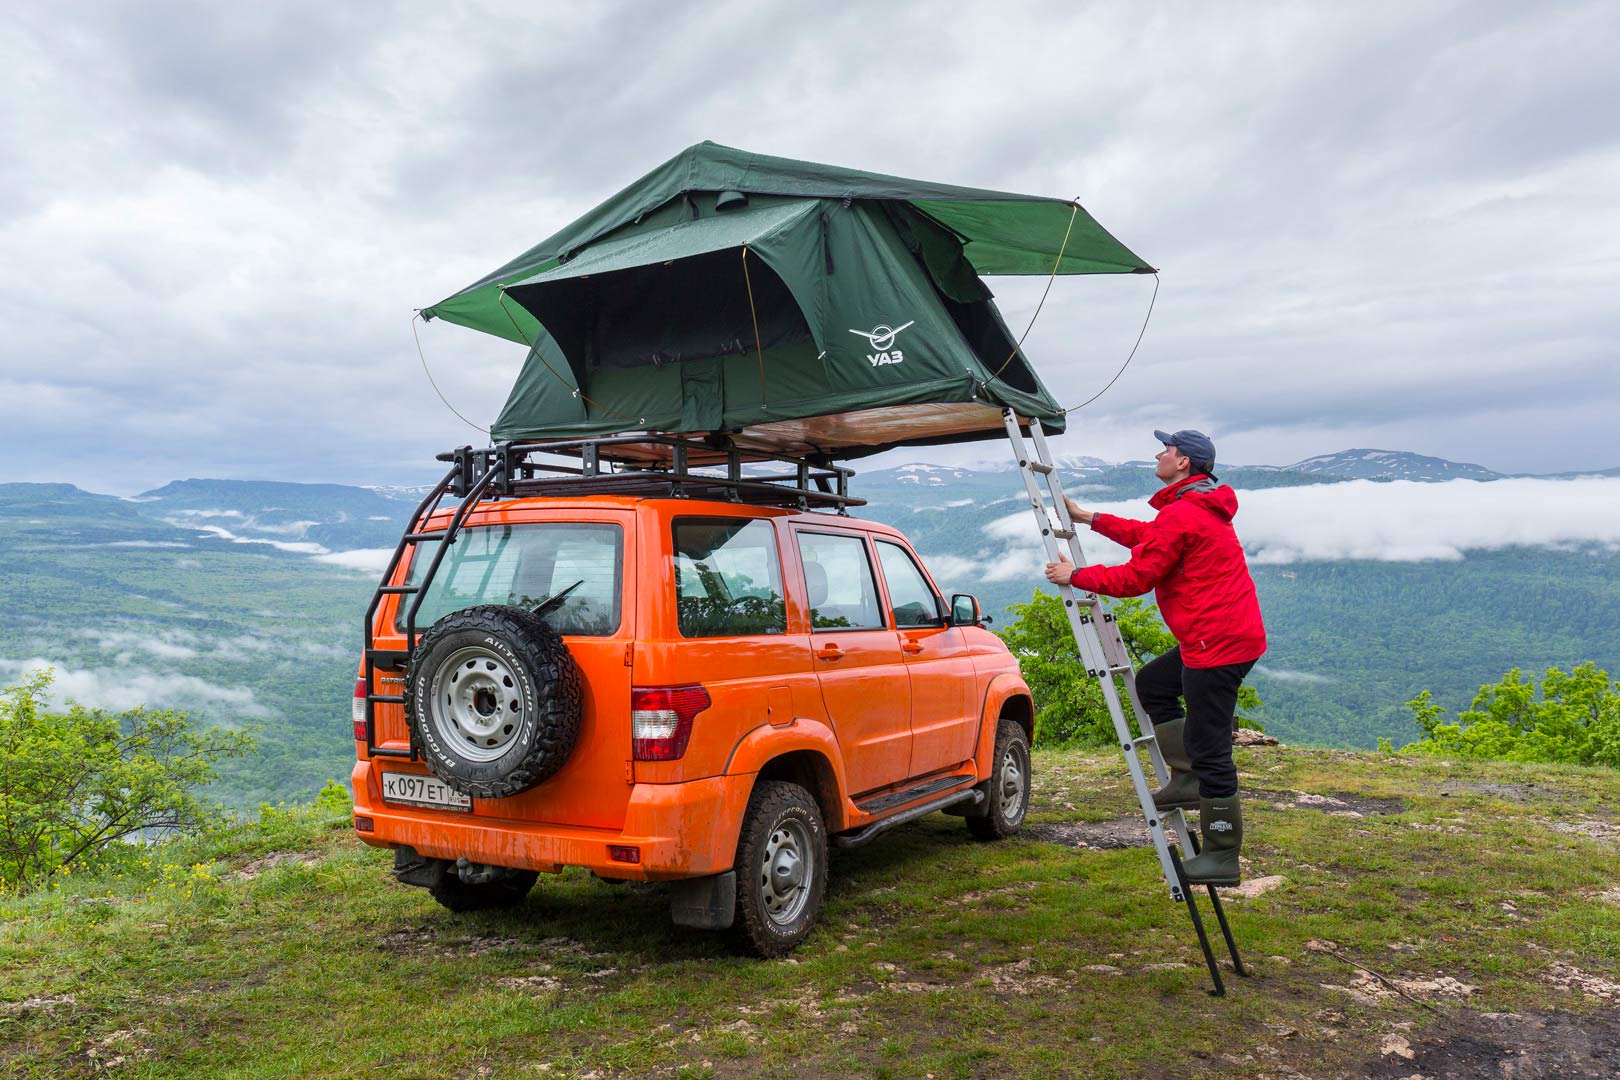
[1069, 706]
[72, 783]
[1573, 717]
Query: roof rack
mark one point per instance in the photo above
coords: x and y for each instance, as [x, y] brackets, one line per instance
[648, 463]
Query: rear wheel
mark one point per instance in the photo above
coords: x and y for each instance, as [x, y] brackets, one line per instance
[781, 868]
[504, 892]
[1008, 799]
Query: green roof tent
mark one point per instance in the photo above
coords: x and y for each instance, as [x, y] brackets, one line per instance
[799, 308]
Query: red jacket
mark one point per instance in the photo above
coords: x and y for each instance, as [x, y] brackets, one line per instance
[1191, 556]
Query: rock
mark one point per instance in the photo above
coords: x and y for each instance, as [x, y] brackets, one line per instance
[1395, 1044]
[1250, 737]
[1256, 886]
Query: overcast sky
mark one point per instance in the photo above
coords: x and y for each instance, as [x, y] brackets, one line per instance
[1388, 226]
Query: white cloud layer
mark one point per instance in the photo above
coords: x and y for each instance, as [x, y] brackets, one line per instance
[367, 560]
[122, 688]
[1401, 521]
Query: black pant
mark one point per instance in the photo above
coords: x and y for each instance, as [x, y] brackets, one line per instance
[1211, 695]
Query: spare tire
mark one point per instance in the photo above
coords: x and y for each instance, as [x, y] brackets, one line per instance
[493, 699]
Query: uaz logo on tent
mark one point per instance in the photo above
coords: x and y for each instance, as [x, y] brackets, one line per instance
[882, 338]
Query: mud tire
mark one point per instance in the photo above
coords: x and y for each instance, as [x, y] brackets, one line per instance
[534, 671]
[1007, 800]
[779, 815]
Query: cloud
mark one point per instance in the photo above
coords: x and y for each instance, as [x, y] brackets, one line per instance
[163, 644]
[370, 561]
[1400, 521]
[296, 547]
[1287, 675]
[124, 688]
[257, 199]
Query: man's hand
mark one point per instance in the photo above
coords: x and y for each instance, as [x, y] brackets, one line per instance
[1059, 573]
[1076, 514]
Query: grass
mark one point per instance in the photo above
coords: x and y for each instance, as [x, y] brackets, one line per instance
[288, 951]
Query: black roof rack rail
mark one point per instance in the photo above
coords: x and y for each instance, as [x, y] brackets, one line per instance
[648, 464]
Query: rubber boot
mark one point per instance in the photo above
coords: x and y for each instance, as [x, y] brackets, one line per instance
[1181, 790]
[1221, 821]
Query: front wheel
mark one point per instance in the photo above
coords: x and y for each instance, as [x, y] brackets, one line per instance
[1008, 799]
[781, 868]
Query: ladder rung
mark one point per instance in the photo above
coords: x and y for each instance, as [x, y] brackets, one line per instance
[1142, 740]
[400, 589]
[418, 537]
[387, 699]
[1039, 467]
[1063, 534]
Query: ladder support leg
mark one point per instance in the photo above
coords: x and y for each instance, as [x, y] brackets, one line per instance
[1198, 925]
[1226, 932]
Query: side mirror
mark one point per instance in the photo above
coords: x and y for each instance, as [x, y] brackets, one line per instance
[965, 611]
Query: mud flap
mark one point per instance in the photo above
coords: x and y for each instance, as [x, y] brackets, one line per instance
[419, 870]
[707, 903]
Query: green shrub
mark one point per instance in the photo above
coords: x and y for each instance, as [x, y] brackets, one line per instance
[1572, 717]
[77, 785]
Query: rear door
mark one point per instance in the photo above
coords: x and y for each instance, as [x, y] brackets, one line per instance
[944, 720]
[857, 658]
[516, 559]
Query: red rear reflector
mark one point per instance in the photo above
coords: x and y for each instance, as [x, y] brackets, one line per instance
[661, 719]
[621, 853]
[364, 824]
[358, 709]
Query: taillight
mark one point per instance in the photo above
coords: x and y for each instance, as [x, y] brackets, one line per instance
[359, 709]
[661, 719]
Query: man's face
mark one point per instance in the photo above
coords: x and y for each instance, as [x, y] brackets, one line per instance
[1172, 464]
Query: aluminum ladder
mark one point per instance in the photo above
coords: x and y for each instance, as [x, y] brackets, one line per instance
[1105, 658]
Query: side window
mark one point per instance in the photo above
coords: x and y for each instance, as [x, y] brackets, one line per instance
[914, 602]
[839, 584]
[728, 578]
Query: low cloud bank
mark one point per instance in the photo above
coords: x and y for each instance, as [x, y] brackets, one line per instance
[369, 560]
[118, 689]
[1289, 675]
[1400, 521]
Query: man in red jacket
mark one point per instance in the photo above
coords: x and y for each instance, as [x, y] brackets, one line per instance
[1191, 557]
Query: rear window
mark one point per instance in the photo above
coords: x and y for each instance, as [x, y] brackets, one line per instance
[728, 579]
[526, 565]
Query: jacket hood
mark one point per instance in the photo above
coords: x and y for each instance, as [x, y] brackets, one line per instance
[1201, 491]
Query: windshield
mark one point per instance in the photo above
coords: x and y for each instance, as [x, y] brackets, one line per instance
[577, 565]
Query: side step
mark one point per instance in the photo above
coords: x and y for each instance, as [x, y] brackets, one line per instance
[879, 803]
[877, 828]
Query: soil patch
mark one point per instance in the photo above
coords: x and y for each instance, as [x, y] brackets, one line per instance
[1344, 805]
[1513, 1046]
[1125, 832]
[1521, 793]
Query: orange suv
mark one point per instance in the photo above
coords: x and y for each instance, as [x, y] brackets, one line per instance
[662, 674]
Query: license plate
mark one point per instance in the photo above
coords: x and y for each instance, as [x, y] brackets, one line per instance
[415, 789]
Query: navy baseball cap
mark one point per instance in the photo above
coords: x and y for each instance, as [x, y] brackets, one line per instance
[1194, 444]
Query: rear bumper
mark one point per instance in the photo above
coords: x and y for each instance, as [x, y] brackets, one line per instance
[681, 830]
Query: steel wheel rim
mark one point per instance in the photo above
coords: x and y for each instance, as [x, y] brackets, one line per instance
[786, 872]
[476, 703]
[1013, 777]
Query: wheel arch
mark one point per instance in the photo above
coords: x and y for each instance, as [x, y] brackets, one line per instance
[811, 770]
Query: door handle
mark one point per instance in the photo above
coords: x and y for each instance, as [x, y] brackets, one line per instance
[830, 651]
[912, 647]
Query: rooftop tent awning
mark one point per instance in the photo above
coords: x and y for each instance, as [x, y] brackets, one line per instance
[684, 239]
